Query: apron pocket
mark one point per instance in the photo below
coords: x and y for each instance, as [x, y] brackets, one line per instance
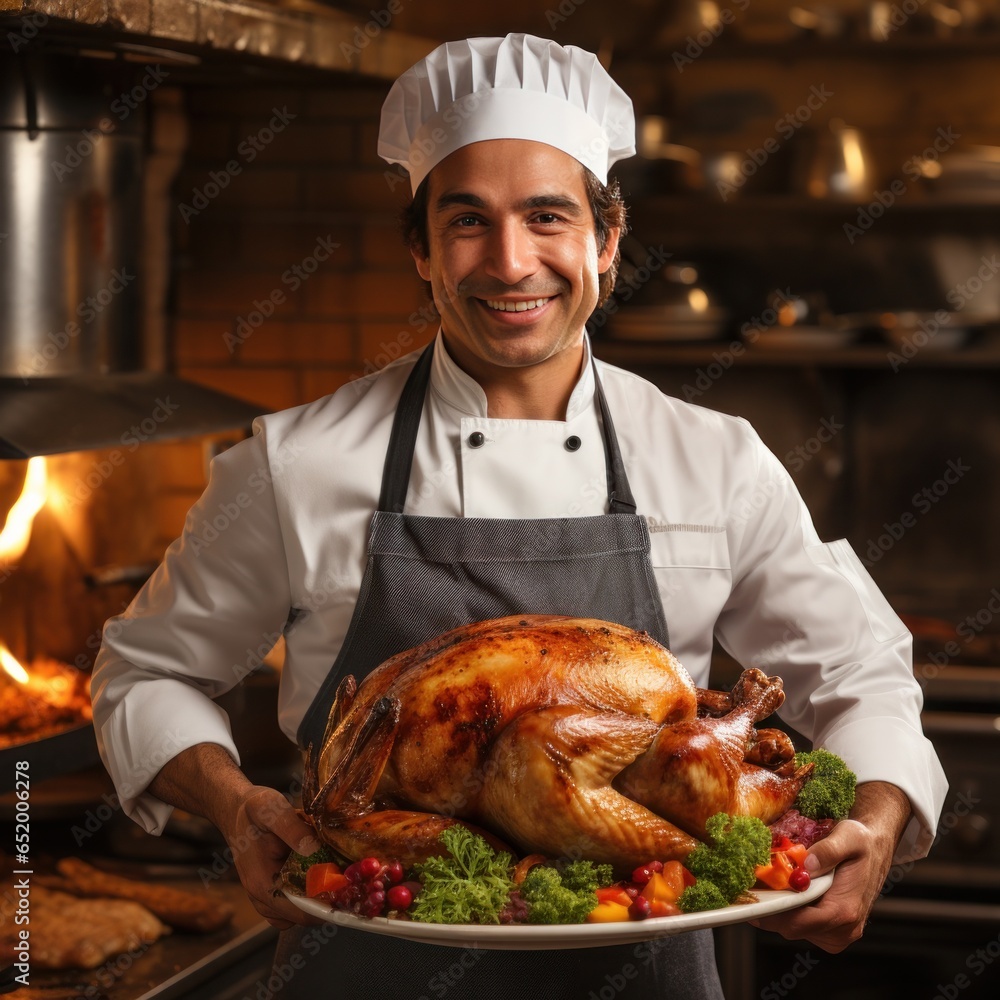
[688, 546]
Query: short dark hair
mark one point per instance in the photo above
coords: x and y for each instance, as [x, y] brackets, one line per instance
[606, 205]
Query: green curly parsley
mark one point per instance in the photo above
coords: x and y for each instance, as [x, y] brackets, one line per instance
[470, 886]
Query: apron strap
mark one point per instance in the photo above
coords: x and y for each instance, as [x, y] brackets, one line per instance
[406, 424]
[619, 492]
[399, 454]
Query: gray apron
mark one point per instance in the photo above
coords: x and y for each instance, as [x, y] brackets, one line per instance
[426, 575]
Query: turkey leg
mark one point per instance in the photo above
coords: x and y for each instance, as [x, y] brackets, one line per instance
[700, 767]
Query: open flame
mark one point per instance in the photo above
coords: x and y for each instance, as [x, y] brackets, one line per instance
[16, 531]
[12, 665]
[46, 698]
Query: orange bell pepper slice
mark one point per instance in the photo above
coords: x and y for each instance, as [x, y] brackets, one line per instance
[608, 913]
[677, 877]
[664, 887]
[614, 894]
[775, 875]
[796, 853]
[326, 877]
[658, 908]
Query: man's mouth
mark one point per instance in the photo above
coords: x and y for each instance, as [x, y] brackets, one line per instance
[502, 305]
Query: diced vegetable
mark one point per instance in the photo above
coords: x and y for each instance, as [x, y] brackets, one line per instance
[324, 878]
[686, 877]
[797, 854]
[608, 913]
[614, 894]
[658, 908]
[775, 873]
[795, 851]
[659, 890]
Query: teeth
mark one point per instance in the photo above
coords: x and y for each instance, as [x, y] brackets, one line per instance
[516, 306]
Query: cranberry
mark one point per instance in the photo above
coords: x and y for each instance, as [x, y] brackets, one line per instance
[639, 909]
[633, 890]
[799, 880]
[370, 867]
[394, 871]
[399, 897]
[642, 874]
[655, 866]
[353, 872]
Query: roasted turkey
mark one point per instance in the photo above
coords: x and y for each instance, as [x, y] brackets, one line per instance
[569, 737]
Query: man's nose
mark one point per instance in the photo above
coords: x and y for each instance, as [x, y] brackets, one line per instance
[511, 253]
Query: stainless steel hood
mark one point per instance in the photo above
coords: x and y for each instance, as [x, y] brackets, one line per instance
[54, 415]
[73, 375]
[73, 370]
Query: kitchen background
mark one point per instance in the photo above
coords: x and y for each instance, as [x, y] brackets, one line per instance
[814, 246]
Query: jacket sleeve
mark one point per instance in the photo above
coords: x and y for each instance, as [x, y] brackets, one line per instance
[214, 606]
[811, 613]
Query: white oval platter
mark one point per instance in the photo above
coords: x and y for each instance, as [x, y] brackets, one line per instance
[535, 937]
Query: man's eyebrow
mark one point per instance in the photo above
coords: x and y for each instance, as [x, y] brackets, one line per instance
[561, 201]
[458, 198]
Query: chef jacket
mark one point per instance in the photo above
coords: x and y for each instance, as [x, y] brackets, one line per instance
[277, 546]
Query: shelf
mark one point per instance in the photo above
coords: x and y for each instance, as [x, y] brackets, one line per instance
[628, 354]
[726, 46]
[645, 206]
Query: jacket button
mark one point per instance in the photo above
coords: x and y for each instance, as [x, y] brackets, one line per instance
[573, 443]
[477, 439]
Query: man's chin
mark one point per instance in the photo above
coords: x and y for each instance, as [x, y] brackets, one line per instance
[516, 348]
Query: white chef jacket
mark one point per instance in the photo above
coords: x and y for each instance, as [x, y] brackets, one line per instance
[283, 525]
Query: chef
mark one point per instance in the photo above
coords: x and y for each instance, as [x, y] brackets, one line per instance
[503, 470]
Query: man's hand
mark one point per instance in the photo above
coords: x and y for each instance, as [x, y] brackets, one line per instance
[260, 834]
[861, 849]
[259, 824]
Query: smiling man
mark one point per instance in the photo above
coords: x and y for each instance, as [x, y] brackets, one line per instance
[502, 470]
[513, 258]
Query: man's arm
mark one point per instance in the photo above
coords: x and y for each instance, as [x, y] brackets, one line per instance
[258, 823]
[192, 632]
[861, 848]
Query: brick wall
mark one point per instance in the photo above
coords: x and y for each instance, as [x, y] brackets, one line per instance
[319, 178]
[255, 209]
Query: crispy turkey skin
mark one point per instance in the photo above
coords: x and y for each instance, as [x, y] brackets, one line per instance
[569, 737]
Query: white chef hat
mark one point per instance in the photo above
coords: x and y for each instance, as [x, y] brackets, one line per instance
[517, 87]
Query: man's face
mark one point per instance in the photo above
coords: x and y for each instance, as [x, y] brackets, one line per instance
[512, 254]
